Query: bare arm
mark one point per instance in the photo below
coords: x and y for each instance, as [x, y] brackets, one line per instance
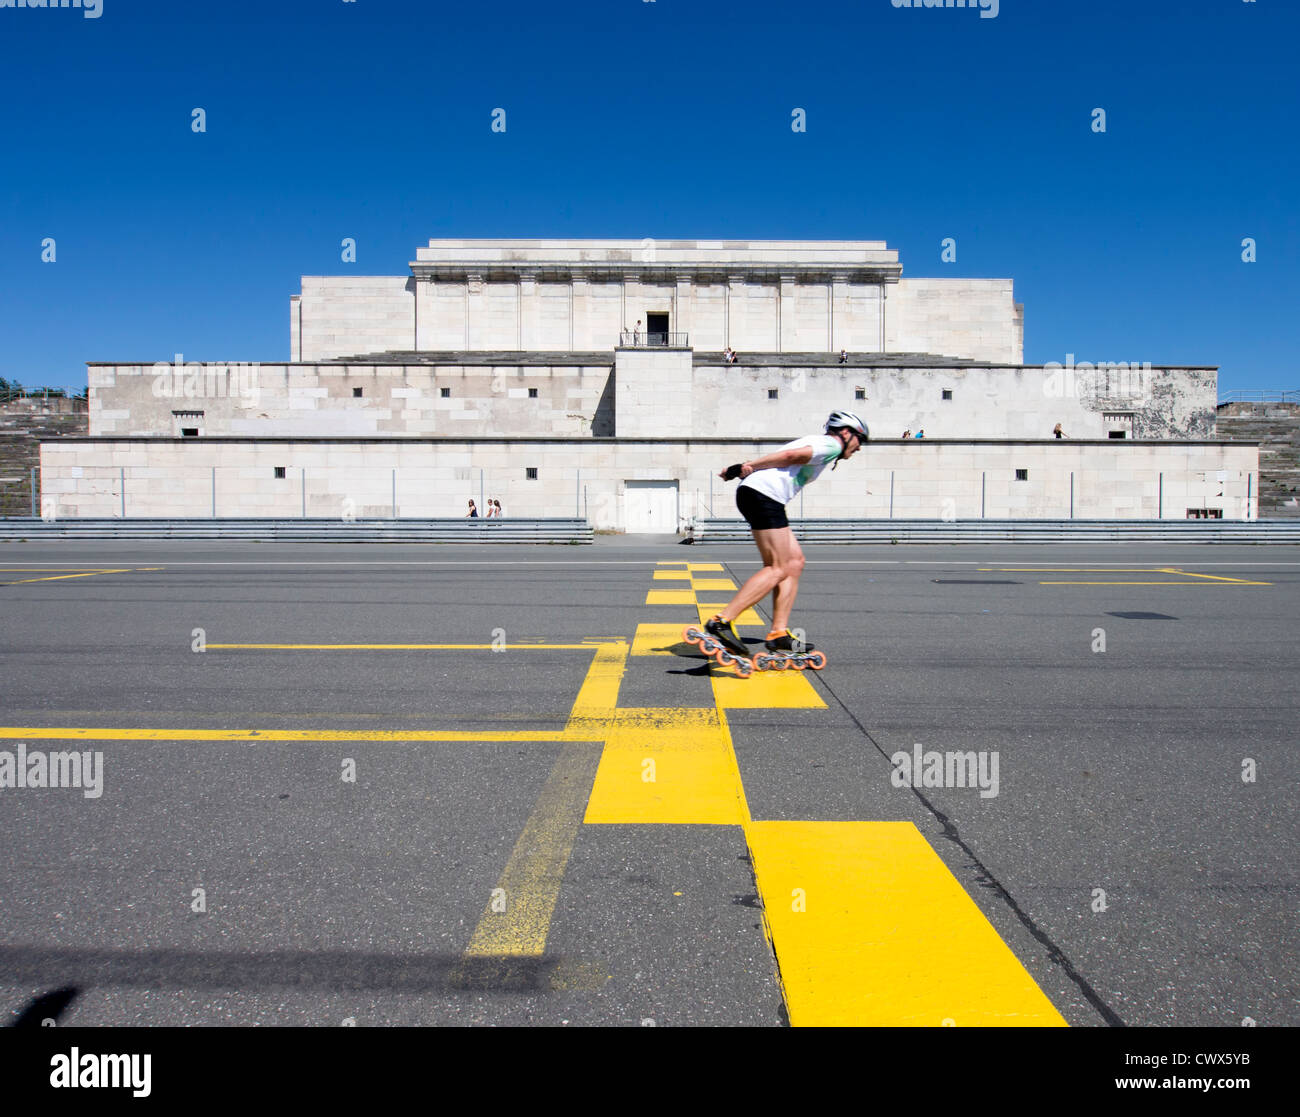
[799, 455]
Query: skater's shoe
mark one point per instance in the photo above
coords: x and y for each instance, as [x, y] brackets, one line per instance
[783, 641]
[723, 632]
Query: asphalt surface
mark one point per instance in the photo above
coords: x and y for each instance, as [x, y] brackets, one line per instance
[1120, 770]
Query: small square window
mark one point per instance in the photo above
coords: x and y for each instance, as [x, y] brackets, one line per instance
[356, 393]
[1117, 434]
[947, 393]
[1022, 475]
[189, 432]
[530, 473]
[446, 393]
[771, 393]
[859, 393]
[532, 393]
[279, 470]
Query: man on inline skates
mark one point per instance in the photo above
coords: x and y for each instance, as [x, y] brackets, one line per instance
[767, 485]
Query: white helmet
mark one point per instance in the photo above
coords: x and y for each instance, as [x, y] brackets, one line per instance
[846, 420]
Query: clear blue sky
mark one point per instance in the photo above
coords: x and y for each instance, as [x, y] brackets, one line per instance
[329, 119]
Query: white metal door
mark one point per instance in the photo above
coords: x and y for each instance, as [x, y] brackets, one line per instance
[650, 507]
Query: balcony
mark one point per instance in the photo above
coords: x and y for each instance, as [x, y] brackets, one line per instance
[652, 339]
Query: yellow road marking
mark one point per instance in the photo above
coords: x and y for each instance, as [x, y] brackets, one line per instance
[101, 733]
[1116, 570]
[60, 577]
[670, 597]
[667, 766]
[657, 639]
[713, 584]
[1195, 585]
[1218, 578]
[529, 886]
[788, 689]
[1070, 570]
[410, 647]
[672, 575]
[886, 935]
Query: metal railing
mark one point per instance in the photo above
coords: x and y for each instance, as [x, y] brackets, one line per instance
[44, 395]
[1013, 531]
[1265, 396]
[506, 530]
[652, 339]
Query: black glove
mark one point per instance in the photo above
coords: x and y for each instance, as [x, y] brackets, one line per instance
[733, 471]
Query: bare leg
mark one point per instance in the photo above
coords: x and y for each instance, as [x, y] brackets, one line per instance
[782, 563]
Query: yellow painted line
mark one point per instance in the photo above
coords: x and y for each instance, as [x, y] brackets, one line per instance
[101, 733]
[1071, 570]
[598, 694]
[713, 584]
[672, 575]
[60, 577]
[668, 766]
[670, 597]
[657, 639]
[748, 617]
[886, 935]
[410, 647]
[1121, 570]
[1195, 585]
[696, 567]
[517, 918]
[788, 690]
[1218, 578]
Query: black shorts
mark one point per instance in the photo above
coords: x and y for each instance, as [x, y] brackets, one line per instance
[761, 512]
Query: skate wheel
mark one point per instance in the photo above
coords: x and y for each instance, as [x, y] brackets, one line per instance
[817, 660]
[692, 635]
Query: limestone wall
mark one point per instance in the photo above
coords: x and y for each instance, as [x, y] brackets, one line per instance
[654, 393]
[1018, 401]
[973, 318]
[577, 295]
[320, 400]
[174, 477]
[342, 316]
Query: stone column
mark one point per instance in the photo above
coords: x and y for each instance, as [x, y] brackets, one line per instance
[735, 310]
[837, 295]
[475, 312]
[529, 312]
[787, 328]
[631, 299]
[683, 303]
[580, 314]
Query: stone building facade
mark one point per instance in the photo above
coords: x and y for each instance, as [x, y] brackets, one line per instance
[602, 360]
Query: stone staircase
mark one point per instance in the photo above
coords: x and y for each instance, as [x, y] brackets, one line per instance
[23, 426]
[1276, 427]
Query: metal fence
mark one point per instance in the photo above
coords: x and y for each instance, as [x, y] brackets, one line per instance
[652, 339]
[1013, 531]
[1265, 396]
[517, 530]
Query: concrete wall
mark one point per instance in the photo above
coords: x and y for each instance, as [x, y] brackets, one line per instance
[1019, 401]
[574, 295]
[318, 400]
[659, 393]
[974, 318]
[342, 316]
[174, 477]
